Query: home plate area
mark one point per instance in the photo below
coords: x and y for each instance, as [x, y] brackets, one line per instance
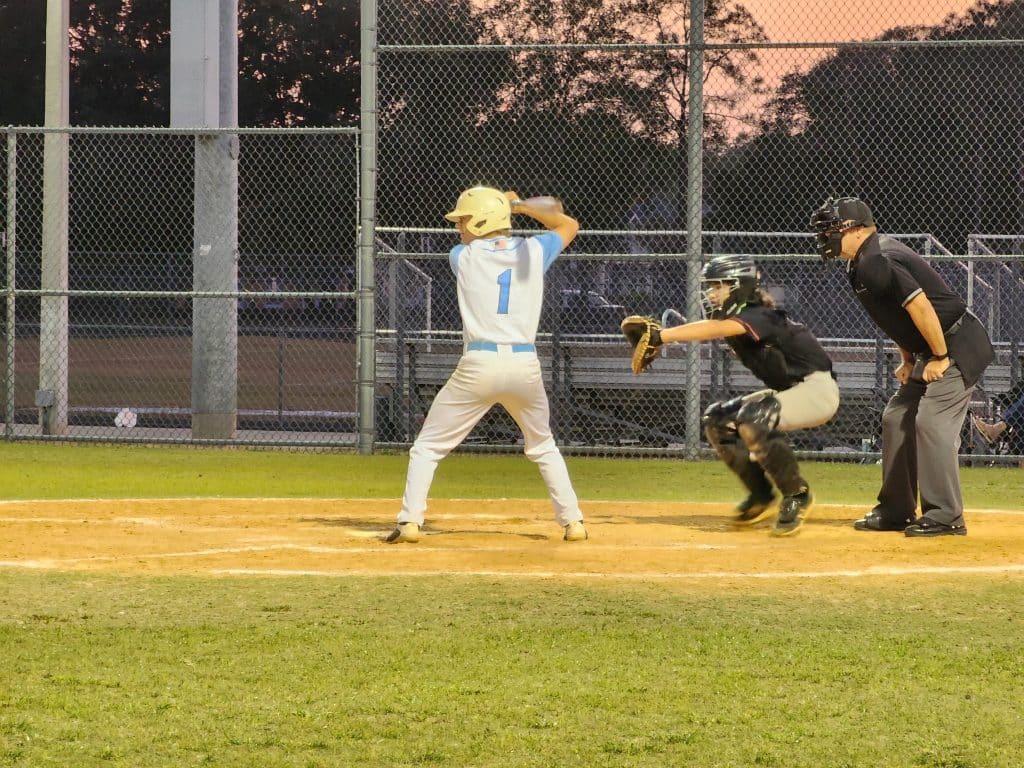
[514, 538]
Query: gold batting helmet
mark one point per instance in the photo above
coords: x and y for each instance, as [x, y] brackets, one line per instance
[487, 208]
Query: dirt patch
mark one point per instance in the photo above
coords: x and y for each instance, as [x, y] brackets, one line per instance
[501, 538]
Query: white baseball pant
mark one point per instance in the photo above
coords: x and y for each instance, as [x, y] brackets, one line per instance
[481, 380]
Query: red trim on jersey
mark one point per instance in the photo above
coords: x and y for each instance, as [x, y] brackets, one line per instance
[750, 329]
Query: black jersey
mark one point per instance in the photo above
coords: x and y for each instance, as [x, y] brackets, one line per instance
[776, 349]
[886, 275]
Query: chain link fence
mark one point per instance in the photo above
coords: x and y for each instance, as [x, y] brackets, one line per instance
[673, 131]
[130, 333]
[917, 112]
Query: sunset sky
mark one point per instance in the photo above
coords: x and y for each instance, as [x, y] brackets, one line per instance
[832, 20]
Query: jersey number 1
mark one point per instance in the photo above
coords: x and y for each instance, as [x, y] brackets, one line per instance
[504, 284]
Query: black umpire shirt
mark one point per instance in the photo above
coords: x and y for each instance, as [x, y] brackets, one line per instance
[886, 275]
[779, 351]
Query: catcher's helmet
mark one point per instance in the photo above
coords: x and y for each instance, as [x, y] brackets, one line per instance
[835, 217]
[488, 210]
[739, 272]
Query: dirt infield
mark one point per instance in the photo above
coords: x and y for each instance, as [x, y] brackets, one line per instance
[502, 538]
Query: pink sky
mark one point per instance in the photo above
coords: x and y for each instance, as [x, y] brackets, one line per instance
[845, 20]
[829, 21]
[832, 21]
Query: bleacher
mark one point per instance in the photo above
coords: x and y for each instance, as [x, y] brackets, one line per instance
[596, 399]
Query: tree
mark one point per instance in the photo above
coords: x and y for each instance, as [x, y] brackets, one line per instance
[21, 63]
[930, 136]
[431, 105]
[646, 88]
[120, 55]
[298, 62]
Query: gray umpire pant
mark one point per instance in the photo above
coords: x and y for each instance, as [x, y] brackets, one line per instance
[921, 446]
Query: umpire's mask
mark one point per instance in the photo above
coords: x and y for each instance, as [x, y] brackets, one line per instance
[835, 217]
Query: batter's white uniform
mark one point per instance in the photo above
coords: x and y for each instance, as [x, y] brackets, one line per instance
[501, 288]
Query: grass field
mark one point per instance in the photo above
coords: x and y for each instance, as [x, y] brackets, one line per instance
[46, 471]
[106, 669]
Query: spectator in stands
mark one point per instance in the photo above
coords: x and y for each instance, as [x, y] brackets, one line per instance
[1010, 425]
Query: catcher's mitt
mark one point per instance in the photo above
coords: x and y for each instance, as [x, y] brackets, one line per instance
[644, 335]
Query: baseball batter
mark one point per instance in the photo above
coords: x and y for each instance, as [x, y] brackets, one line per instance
[747, 432]
[500, 285]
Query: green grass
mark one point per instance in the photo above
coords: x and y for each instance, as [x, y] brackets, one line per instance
[53, 471]
[140, 672]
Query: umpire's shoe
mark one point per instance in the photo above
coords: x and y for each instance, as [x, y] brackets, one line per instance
[753, 509]
[925, 526]
[404, 532]
[575, 531]
[792, 512]
[876, 520]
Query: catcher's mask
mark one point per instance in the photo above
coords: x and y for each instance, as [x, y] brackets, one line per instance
[833, 219]
[739, 273]
[487, 208]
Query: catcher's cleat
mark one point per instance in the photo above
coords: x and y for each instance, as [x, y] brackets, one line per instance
[792, 512]
[575, 531]
[753, 509]
[404, 532]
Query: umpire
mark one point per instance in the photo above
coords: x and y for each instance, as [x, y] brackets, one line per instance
[943, 349]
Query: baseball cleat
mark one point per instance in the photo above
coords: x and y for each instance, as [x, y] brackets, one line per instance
[876, 521]
[404, 532]
[575, 531]
[925, 526]
[792, 512]
[753, 509]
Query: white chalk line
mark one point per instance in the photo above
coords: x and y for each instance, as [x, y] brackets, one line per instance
[146, 521]
[640, 576]
[311, 549]
[51, 564]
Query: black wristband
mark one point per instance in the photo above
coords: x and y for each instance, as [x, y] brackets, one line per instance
[943, 356]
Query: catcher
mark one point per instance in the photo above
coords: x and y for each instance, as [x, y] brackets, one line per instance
[747, 432]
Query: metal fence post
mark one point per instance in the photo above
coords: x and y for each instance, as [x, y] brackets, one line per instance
[694, 214]
[11, 249]
[366, 370]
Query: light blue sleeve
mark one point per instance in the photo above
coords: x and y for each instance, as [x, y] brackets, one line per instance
[453, 257]
[551, 243]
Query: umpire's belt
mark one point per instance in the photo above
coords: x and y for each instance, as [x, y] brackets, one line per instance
[490, 346]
